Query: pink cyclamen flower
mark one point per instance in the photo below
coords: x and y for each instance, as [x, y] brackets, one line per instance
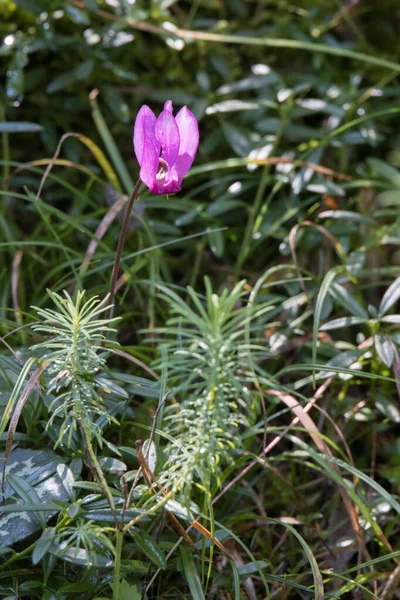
[165, 147]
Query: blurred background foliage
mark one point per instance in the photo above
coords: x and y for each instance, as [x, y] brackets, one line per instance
[251, 100]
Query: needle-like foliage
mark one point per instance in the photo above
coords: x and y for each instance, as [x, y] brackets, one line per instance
[208, 343]
[73, 355]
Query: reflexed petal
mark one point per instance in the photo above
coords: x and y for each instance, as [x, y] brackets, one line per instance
[149, 166]
[144, 126]
[189, 135]
[167, 134]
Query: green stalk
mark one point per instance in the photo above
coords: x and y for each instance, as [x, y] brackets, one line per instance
[117, 564]
[101, 480]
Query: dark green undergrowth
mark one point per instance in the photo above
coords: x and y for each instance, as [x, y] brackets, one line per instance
[229, 428]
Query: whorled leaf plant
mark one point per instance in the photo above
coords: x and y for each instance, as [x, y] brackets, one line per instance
[208, 342]
[73, 358]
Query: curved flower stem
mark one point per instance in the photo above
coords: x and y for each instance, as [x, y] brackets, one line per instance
[121, 243]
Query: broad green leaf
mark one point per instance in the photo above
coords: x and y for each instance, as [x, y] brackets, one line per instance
[150, 548]
[30, 470]
[27, 494]
[390, 297]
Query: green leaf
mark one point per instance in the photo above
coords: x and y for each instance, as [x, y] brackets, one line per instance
[390, 297]
[129, 592]
[29, 470]
[77, 15]
[387, 407]
[27, 494]
[236, 579]
[385, 170]
[150, 548]
[150, 454]
[139, 385]
[251, 567]
[391, 319]
[112, 465]
[81, 557]
[217, 244]
[348, 301]
[384, 349]
[237, 140]
[346, 215]
[43, 544]
[19, 127]
[67, 478]
[106, 515]
[79, 73]
[342, 322]
[219, 207]
[389, 198]
[191, 574]
[355, 262]
[322, 294]
[231, 106]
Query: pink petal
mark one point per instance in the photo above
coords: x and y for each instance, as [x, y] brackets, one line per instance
[144, 126]
[167, 134]
[189, 136]
[168, 106]
[149, 166]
